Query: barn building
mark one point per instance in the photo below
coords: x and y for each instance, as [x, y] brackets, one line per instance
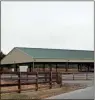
[43, 59]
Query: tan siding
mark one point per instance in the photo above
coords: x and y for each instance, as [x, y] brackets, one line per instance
[16, 56]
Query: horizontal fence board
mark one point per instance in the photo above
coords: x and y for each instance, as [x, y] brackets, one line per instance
[23, 83]
[29, 73]
[33, 78]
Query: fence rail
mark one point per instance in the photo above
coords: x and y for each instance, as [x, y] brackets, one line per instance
[78, 76]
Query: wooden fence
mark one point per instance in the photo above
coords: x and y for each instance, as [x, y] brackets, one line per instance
[77, 76]
[37, 78]
[29, 78]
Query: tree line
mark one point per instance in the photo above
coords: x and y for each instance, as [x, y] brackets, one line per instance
[2, 55]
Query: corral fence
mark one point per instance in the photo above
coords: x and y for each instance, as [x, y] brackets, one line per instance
[28, 78]
[36, 78]
[77, 76]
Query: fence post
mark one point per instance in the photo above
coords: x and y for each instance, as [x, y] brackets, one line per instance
[0, 85]
[50, 79]
[19, 82]
[86, 75]
[36, 81]
[57, 77]
[45, 74]
[27, 75]
[60, 79]
[73, 76]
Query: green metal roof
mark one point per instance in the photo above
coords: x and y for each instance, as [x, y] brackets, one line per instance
[58, 53]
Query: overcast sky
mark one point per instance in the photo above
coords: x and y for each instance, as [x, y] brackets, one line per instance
[49, 24]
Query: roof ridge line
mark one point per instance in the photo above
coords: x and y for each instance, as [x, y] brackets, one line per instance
[24, 52]
[53, 49]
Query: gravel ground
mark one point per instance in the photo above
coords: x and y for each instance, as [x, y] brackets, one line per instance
[43, 93]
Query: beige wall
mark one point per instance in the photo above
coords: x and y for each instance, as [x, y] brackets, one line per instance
[16, 56]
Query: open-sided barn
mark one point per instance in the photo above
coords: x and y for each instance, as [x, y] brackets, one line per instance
[33, 57]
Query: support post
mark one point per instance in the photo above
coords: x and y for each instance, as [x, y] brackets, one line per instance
[19, 81]
[0, 81]
[78, 67]
[50, 67]
[81, 67]
[16, 68]
[38, 68]
[36, 81]
[60, 79]
[88, 68]
[43, 67]
[56, 67]
[45, 75]
[73, 76]
[66, 66]
[33, 66]
[87, 74]
[30, 68]
[50, 79]
[56, 73]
